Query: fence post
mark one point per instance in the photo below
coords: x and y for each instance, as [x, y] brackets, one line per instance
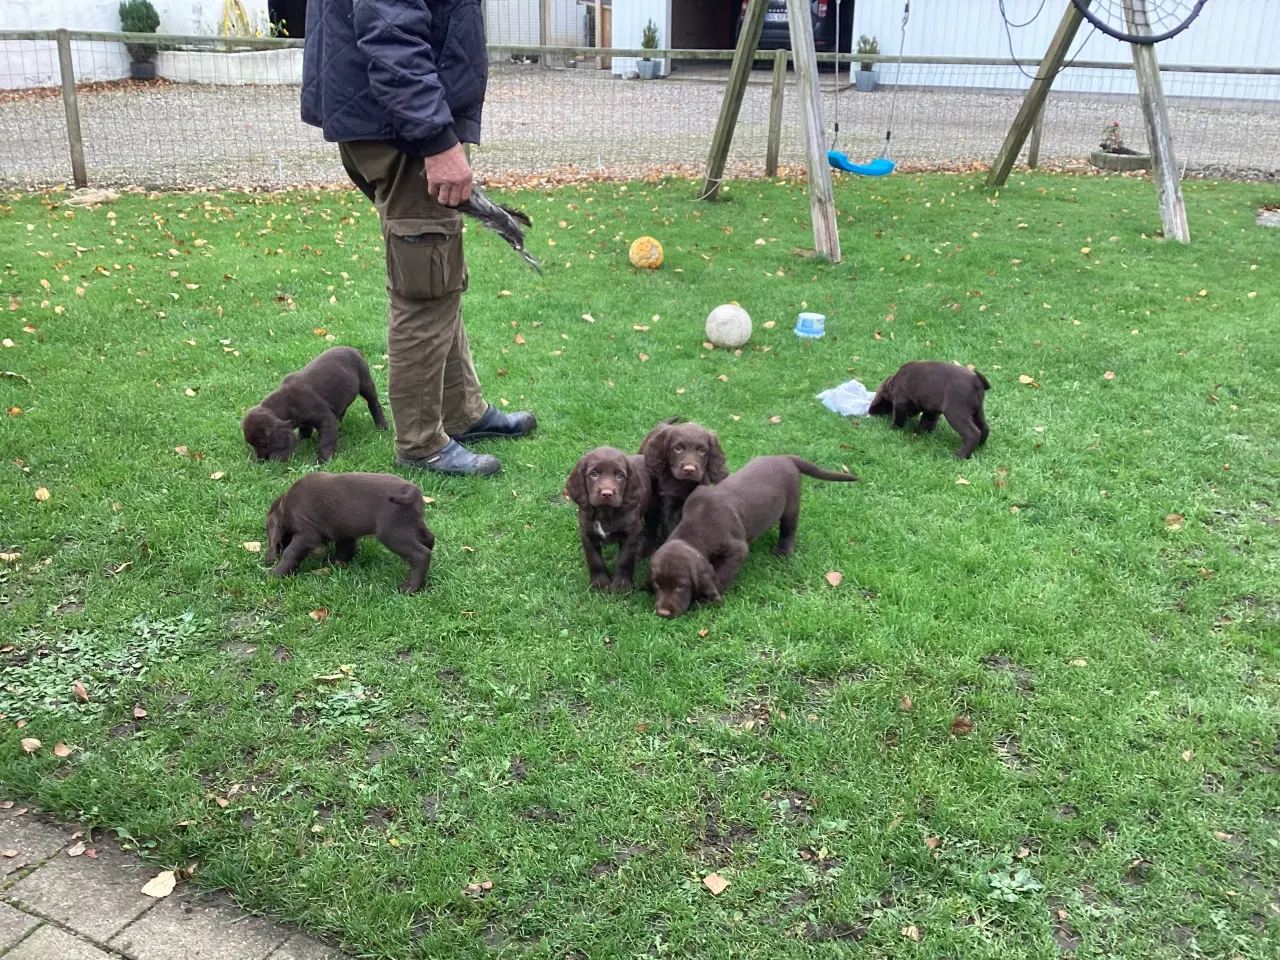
[1033, 149]
[72, 109]
[780, 58]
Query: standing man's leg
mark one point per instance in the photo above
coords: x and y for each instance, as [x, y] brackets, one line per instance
[434, 391]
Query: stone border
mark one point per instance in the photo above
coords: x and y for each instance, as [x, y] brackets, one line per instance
[1120, 162]
[66, 896]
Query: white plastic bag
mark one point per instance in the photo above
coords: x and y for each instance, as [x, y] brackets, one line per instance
[850, 399]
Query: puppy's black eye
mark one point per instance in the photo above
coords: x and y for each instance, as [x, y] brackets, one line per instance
[594, 474]
[678, 448]
[702, 451]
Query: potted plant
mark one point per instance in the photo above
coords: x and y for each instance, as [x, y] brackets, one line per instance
[1114, 156]
[648, 68]
[867, 74]
[139, 16]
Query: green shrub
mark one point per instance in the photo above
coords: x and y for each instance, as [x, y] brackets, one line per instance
[139, 16]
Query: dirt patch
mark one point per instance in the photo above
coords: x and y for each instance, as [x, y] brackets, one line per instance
[281, 654]
[1269, 216]
[797, 900]
[235, 648]
[1064, 934]
[619, 857]
[1008, 748]
[379, 818]
[541, 814]
[719, 841]
[378, 752]
[791, 806]
[1021, 675]
[825, 933]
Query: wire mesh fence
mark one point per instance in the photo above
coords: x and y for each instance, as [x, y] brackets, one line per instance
[223, 113]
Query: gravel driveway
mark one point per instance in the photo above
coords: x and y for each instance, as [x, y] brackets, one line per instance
[537, 120]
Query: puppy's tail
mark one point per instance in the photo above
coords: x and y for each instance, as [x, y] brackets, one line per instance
[408, 498]
[982, 380]
[809, 469]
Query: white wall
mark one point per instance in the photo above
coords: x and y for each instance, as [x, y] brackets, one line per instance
[516, 22]
[629, 20]
[35, 64]
[1228, 32]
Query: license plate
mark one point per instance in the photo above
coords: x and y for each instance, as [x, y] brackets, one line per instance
[779, 17]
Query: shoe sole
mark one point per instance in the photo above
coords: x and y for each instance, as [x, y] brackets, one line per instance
[448, 473]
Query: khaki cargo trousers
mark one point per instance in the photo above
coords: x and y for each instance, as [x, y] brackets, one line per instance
[433, 387]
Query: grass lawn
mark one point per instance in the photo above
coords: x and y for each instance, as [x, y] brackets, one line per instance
[1097, 592]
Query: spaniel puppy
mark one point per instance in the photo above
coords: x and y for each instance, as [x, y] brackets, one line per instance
[313, 398]
[612, 491]
[343, 507]
[680, 457]
[930, 388]
[706, 550]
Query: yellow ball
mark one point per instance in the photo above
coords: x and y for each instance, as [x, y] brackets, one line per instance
[646, 253]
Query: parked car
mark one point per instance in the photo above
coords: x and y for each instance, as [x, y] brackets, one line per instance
[777, 34]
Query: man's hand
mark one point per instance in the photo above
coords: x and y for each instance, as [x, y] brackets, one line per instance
[449, 176]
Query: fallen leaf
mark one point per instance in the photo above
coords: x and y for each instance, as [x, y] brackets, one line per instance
[15, 411]
[319, 615]
[775, 419]
[1173, 521]
[643, 328]
[703, 632]
[161, 885]
[81, 694]
[42, 494]
[61, 750]
[9, 853]
[76, 849]
[181, 450]
[9, 557]
[1024, 852]
[319, 331]
[1204, 293]
[1023, 378]
[708, 345]
[222, 801]
[253, 546]
[139, 713]
[905, 704]
[644, 357]
[933, 843]
[1077, 663]
[217, 475]
[723, 378]
[428, 499]
[961, 726]
[715, 883]
[1109, 375]
[189, 392]
[30, 744]
[1187, 755]
[519, 338]
[91, 854]
[834, 577]
[912, 932]
[961, 481]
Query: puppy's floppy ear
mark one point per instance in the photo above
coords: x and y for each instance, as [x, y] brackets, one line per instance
[882, 401]
[654, 448]
[716, 468]
[982, 380]
[639, 489]
[275, 531]
[704, 579]
[576, 486]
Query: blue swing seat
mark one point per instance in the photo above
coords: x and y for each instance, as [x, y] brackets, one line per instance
[878, 167]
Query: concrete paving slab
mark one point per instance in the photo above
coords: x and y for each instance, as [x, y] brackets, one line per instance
[32, 840]
[50, 943]
[191, 927]
[94, 897]
[302, 947]
[14, 925]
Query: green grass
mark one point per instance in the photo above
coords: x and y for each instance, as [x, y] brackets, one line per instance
[1118, 664]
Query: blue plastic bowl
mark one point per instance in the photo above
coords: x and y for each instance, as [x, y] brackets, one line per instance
[811, 325]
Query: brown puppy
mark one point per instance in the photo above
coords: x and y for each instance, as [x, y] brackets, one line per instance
[342, 508]
[313, 398]
[681, 457]
[612, 491]
[930, 387]
[708, 547]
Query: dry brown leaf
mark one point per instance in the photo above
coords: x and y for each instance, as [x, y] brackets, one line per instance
[139, 713]
[834, 577]
[933, 843]
[161, 885]
[181, 450]
[81, 694]
[42, 494]
[1174, 521]
[715, 883]
[769, 324]
[428, 499]
[1077, 663]
[319, 615]
[961, 481]
[60, 749]
[905, 704]
[253, 546]
[76, 849]
[189, 392]
[519, 338]
[644, 357]
[912, 932]
[775, 419]
[15, 411]
[9, 557]
[961, 726]
[217, 475]
[703, 632]
[1109, 375]
[1187, 755]
[10, 854]
[31, 744]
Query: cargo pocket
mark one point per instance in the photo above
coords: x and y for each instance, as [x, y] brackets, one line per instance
[424, 258]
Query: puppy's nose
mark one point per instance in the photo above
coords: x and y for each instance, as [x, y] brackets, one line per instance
[664, 612]
[689, 469]
[608, 493]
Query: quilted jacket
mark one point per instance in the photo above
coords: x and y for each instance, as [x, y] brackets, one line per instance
[412, 72]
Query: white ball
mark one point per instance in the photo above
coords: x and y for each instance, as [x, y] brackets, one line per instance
[728, 326]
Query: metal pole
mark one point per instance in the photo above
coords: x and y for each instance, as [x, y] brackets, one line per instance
[72, 109]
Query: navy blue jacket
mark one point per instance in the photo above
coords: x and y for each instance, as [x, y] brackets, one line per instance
[412, 72]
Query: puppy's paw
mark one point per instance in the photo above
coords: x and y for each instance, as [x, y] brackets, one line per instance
[784, 550]
[961, 455]
[278, 571]
[621, 585]
[600, 581]
[408, 586]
